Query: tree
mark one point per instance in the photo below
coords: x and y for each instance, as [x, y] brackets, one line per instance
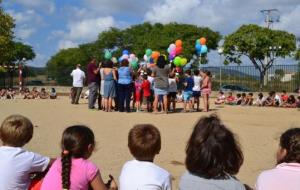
[253, 42]
[22, 51]
[6, 36]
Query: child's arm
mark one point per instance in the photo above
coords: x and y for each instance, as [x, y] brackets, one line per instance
[98, 184]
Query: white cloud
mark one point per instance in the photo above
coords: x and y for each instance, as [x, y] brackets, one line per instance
[39, 61]
[47, 6]
[65, 44]
[25, 32]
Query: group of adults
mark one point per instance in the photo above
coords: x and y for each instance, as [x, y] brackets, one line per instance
[117, 83]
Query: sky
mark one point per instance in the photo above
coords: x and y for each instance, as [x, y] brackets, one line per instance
[51, 25]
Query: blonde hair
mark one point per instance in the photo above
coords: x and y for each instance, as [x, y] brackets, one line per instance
[16, 130]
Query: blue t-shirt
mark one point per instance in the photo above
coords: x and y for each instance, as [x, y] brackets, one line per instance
[124, 75]
[190, 84]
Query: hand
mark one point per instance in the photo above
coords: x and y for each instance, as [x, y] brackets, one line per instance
[111, 184]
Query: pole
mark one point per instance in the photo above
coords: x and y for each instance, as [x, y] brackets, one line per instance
[220, 71]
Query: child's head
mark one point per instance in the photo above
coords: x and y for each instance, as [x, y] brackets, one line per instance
[229, 93]
[243, 95]
[284, 92]
[196, 72]
[250, 94]
[145, 76]
[207, 73]
[144, 142]
[238, 95]
[212, 151]
[289, 150]
[291, 99]
[16, 131]
[188, 72]
[221, 92]
[260, 95]
[78, 141]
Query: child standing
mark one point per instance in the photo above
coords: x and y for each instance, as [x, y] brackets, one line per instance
[138, 92]
[172, 91]
[206, 88]
[196, 89]
[188, 90]
[73, 170]
[286, 174]
[146, 88]
[16, 163]
[144, 143]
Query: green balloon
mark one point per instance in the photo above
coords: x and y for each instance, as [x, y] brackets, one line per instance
[107, 55]
[177, 61]
[148, 52]
[134, 64]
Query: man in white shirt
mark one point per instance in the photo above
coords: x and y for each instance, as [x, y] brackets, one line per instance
[78, 79]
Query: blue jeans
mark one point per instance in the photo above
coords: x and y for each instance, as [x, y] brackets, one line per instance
[124, 93]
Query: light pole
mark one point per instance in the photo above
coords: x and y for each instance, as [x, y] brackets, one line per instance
[220, 52]
[21, 80]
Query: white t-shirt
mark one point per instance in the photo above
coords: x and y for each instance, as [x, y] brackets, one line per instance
[15, 166]
[197, 82]
[172, 85]
[151, 80]
[78, 77]
[140, 175]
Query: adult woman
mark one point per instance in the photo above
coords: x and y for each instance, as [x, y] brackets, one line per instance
[161, 82]
[206, 88]
[124, 86]
[109, 75]
[213, 156]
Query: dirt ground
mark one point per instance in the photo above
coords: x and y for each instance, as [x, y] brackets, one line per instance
[257, 130]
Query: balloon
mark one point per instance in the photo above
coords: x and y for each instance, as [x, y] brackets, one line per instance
[146, 58]
[177, 61]
[148, 52]
[203, 49]
[114, 60]
[178, 50]
[183, 61]
[169, 50]
[134, 64]
[198, 41]
[198, 47]
[107, 55]
[202, 41]
[125, 52]
[172, 46]
[125, 56]
[178, 43]
[155, 55]
[151, 60]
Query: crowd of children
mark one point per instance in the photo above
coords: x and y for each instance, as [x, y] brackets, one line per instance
[272, 99]
[27, 94]
[213, 158]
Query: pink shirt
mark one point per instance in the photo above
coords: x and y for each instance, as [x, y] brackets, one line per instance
[285, 176]
[82, 173]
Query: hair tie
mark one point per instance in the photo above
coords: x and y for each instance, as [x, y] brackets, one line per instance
[66, 152]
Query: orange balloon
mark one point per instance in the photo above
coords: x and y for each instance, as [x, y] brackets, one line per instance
[178, 43]
[155, 55]
[202, 41]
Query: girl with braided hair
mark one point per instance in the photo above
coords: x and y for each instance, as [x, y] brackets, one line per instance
[73, 171]
[286, 175]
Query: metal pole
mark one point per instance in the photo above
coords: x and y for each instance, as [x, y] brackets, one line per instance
[220, 71]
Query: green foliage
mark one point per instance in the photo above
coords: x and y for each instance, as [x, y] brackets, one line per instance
[6, 36]
[60, 66]
[22, 51]
[136, 39]
[254, 42]
[297, 55]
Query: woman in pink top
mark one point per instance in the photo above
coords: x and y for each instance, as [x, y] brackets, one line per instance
[206, 89]
[73, 171]
[286, 175]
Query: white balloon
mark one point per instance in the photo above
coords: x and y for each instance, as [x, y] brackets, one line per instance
[146, 58]
[125, 56]
[172, 47]
[132, 56]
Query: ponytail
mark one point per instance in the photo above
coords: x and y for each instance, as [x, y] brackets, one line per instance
[66, 163]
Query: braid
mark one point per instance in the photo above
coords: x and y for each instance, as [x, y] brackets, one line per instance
[293, 154]
[66, 162]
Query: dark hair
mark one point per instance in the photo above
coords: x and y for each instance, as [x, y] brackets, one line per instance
[243, 94]
[291, 99]
[124, 63]
[272, 93]
[108, 64]
[212, 151]
[290, 141]
[208, 73]
[161, 62]
[188, 72]
[284, 91]
[238, 95]
[250, 94]
[196, 72]
[260, 95]
[221, 92]
[75, 143]
[145, 76]
[16, 130]
[53, 90]
[144, 141]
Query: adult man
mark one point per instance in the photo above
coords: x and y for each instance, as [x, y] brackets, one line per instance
[93, 77]
[78, 79]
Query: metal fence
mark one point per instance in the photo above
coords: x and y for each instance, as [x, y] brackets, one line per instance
[279, 77]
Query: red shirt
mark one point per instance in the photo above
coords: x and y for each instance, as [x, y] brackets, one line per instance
[146, 88]
[284, 97]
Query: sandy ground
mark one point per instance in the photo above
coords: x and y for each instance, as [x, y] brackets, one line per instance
[257, 129]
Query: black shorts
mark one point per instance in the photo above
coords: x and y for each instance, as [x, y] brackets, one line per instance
[196, 94]
[172, 95]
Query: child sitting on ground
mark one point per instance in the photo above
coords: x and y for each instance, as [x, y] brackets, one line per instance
[73, 170]
[144, 143]
[239, 99]
[172, 92]
[43, 94]
[290, 103]
[230, 99]
[213, 157]
[244, 99]
[188, 91]
[53, 94]
[249, 99]
[260, 100]
[221, 98]
[16, 163]
[286, 175]
[298, 102]
[284, 97]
